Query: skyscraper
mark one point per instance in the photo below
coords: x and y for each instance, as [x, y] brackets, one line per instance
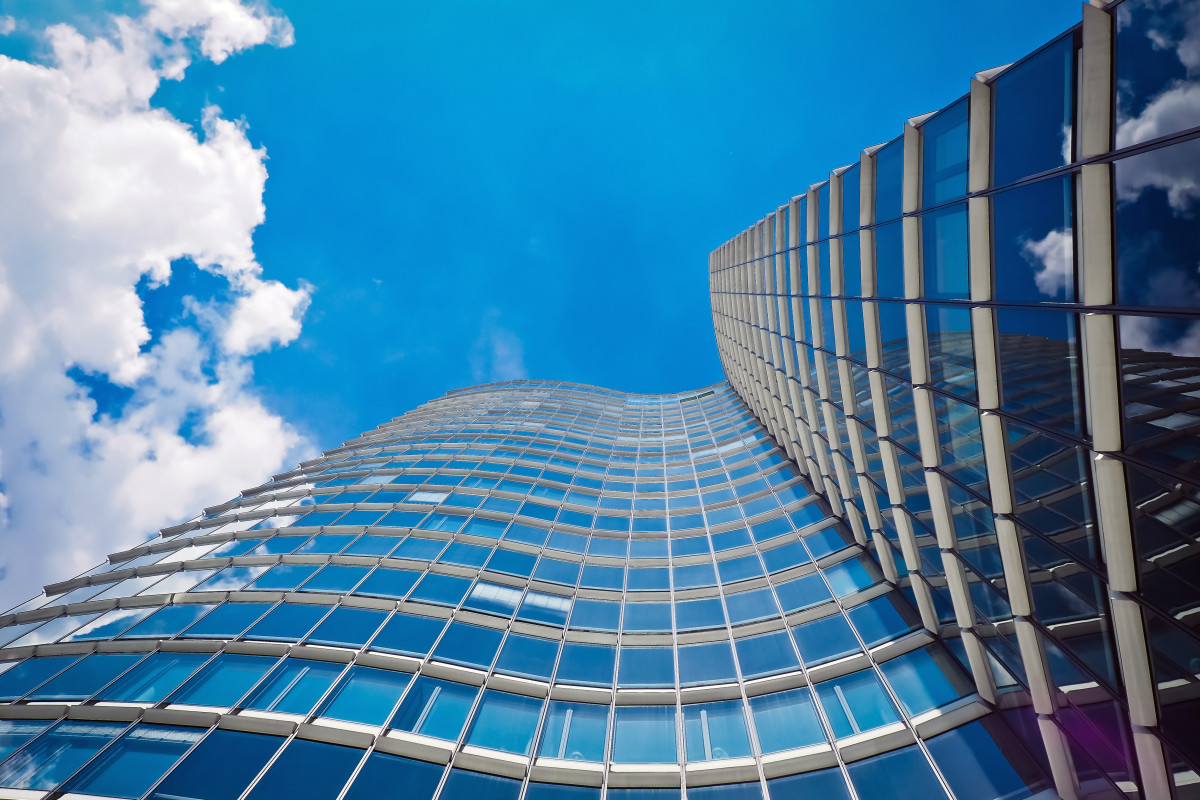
[933, 539]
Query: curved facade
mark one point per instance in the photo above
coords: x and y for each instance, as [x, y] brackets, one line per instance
[518, 587]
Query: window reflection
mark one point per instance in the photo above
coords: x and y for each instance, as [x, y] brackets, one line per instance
[944, 172]
[1158, 91]
[1035, 242]
[1033, 111]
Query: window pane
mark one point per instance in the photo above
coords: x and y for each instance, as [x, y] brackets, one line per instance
[295, 687]
[154, 678]
[766, 655]
[646, 666]
[1033, 114]
[855, 703]
[951, 349]
[586, 664]
[1035, 242]
[981, 760]
[574, 731]
[408, 634]
[15, 733]
[889, 176]
[227, 621]
[220, 768]
[136, 762]
[50, 759]
[945, 160]
[464, 785]
[86, 677]
[505, 722]
[366, 695]
[293, 776]
[224, 680]
[900, 774]
[469, 644]
[1040, 367]
[715, 730]
[528, 656]
[644, 735]
[382, 773]
[435, 708]
[706, 663]
[944, 254]
[348, 627]
[22, 678]
[786, 720]
[826, 783]
[287, 622]
[168, 621]
[925, 679]
[1155, 70]
[825, 639]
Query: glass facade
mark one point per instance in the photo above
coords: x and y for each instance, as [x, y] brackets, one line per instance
[988, 368]
[933, 538]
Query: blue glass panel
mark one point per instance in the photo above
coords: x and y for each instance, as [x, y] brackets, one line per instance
[512, 563]
[168, 621]
[227, 621]
[220, 768]
[945, 160]
[154, 678]
[752, 605]
[647, 617]
[554, 791]
[295, 687]
[944, 254]
[224, 680]
[828, 784]
[528, 656]
[882, 619]
[14, 733]
[287, 622]
[371, 545]
[382, 773]
[768, 654]
[408, 634]
[1155, 70]
[505, 722]
[366, 695]
[19, 680]
[336, 579]
[574, 731]
[136, 762]
[923, 683]
[348, 627]
[292, 776]
[86, 677]
[586, 664]
[1034, 242]
[644, 735]
[231, 579]
[469, 644]
[900, 774]
[284, 577]
[851, 576]
[467, 555]
[715, 730]
[855, 703]
[889, 177]
[1033, 114]
[109, 625]
[951, 349]
[825, 639]
[980, 761]
[441, 589]
[602, 615]
[50, 759]
[850, 194]
[786, 720]
[706, 663]
[551, 609]
[802, 593]
[696, 614]
[464, 785]
[435, 708]
[646, 666]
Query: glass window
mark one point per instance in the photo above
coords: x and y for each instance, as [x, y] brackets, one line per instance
[168, 621]
[284, 577]
[435, 708]
[110, 625]
[925, 679]
[893, 338]
[441, 589]
[767, 654]
[292, 776]
[382, 773]
[786, 720]
[135, 763]
[505, 722]
[646, 666]
[900, 774]
[464, 785]
[851, 575]
[945, 155]
[366, 695]
[1155, 70]
[586, 664]
[50, 759]
[224, 680]
[336, 579]
[554, 791]
[706, 663]
[528, 656]
[981, 760]
[802, 593]
[825, 639]
[85, 677]
[601, 615]
[17, 681]
[715, 730]
[14, 733]
[469, 644]
[390, 583]
[1032, 120]
[551, 609]
[295, 687]
[227, 621]
[752, 605]
[644, 735]
[574, 731]
[220, 768]
[883, 619]
[826, 783]
[287, 622]
[889, 179]
[232, 579]
[347, 627]
[850, 193]
[647, 617]
[1040, 367]
[944, 253]
[1035, 242]
[695, 614]
[154, 678]
[408, 634]
[951, 349]
[855, 703]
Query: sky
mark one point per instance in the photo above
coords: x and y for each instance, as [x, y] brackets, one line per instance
[233, 235]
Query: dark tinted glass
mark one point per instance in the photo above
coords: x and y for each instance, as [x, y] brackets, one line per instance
[944, 164]
[1035, 242]
[1032, 120]
[1156, 74]
[220, 768]
[889, 261]
[850, 194]
[944, 254]
[889, 178]
[1039, 367]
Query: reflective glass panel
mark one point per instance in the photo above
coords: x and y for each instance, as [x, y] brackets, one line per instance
[1033, 114]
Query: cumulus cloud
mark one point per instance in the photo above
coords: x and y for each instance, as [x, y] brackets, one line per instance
[101, 192]
[497, 354]
[1053, 258]
[7, 25]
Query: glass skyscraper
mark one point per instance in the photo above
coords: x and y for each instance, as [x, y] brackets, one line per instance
[934, 538]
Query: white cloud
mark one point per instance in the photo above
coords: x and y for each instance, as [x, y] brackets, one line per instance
[7, 25]
[497, 354]
[101, 190]
[1053, 257]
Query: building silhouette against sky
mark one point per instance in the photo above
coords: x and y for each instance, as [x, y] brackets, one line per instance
[936, 536]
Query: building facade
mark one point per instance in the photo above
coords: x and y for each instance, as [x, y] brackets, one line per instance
[979, 343]
[935, 538]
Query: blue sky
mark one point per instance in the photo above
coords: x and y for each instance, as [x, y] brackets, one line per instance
[454, 192]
